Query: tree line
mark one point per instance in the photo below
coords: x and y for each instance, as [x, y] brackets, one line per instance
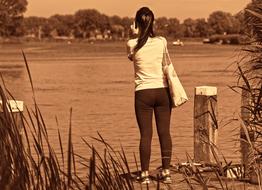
[90, 23]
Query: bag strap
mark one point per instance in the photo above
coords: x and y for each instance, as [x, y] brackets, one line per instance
[166, 56]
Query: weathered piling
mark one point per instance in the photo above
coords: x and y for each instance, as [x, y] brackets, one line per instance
[205, 123]
[15, 107]
[246, 156]
[247, 136]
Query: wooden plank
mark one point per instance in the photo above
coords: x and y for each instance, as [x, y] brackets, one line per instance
[16, 106]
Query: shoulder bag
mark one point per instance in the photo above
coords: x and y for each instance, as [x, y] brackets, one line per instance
[177, 92]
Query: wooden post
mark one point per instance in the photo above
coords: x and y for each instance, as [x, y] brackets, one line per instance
[205, 123]
[16, 107]
[246, 150]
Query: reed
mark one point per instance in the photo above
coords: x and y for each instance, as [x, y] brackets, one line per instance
[109, 170]
[250, 80]
[28, 160]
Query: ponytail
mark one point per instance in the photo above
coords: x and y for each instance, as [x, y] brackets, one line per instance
[144, 20]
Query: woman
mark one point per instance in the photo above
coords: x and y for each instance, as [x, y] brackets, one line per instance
[151, 92]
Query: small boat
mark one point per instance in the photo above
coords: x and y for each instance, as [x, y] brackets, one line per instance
[206, 41]
[178, 43]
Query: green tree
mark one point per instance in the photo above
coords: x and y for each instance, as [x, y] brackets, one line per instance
[126, 23]
[240, 17]
[37, 26]
[11, 17]
[104, 23]
[90, 20]
[115, 20]
[223, 22]
[161, 26]
[202, 28]
[189, 27]
[173, 28]
[63, 24]
[117, 31]
[237, 25]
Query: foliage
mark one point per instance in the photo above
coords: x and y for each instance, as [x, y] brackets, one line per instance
[87, 23]
[190, 27]
[37, 26]
[11, 17]
[161, 24]
[222, 22]
[63, 24]
[126, 23]
[251, 68]
[227, 39]
[173, 29]
[240, 17]
[201, 28]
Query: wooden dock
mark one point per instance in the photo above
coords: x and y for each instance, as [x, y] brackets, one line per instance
[182, 179]
[205, 171]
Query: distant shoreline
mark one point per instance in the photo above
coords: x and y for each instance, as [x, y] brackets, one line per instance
[21, 40]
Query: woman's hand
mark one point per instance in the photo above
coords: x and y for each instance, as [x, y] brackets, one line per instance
[133, 31]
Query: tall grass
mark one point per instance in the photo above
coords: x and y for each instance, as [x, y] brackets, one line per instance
[250, 82]
[109, 170]
[28, 160]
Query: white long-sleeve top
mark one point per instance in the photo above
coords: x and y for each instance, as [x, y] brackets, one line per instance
[148, 63]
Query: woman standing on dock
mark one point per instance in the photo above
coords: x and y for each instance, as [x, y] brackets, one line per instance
[151, 92]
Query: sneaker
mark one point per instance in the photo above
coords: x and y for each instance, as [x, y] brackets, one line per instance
[165, 176]
[144, 177]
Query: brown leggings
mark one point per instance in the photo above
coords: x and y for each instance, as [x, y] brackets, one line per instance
[146, 102]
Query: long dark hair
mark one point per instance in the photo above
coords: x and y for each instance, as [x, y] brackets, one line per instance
[144, 21]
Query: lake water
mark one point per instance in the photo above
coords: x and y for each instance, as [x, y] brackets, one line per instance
[96, 80]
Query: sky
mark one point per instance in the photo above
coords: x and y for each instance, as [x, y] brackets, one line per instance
[180, 9]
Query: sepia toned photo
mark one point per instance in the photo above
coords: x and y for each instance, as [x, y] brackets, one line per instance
[129, 95]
